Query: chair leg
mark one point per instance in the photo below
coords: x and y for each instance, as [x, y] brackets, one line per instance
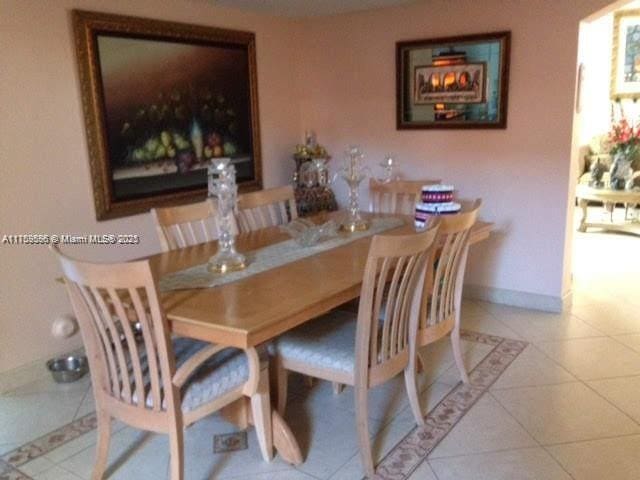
[362, 423]
[457, 354]
[261, 410]
[412, 392]
[337, 388]
[176, 448]
[102, 447]
[282, 376]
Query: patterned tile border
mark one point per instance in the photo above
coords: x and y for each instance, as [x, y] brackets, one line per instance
[50, 441]
[414, 448]
[398, 464]
[7, 472]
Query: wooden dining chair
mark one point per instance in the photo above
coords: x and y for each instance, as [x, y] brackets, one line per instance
[357, 349]
[396, 196]
[185, 225]
[143, 377]
[266, 208]
[440, 313]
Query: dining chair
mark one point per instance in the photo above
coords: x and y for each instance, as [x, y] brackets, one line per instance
[185, 225]
[266, 208]
[143, 377]
[357, 349]
[396, 196]
[440, 312]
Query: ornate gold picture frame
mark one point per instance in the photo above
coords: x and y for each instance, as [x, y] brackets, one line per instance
[625, 55]
[161, 99]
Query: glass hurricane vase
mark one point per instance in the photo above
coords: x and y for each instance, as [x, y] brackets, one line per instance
[353, 173]
[222, 185]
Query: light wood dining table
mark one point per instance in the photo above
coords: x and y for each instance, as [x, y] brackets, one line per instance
[256, 309]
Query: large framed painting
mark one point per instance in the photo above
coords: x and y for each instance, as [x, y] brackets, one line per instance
[161, 99]
[625, 57]
[453, 82]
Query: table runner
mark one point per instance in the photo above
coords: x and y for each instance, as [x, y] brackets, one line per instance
[267, 258]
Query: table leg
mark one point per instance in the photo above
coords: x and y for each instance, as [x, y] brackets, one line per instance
[583, 221]
[239, 413]
[610, 207]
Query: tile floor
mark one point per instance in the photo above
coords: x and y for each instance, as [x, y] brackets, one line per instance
[568, 407]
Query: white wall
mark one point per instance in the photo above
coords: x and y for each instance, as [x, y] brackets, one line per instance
[44, 175]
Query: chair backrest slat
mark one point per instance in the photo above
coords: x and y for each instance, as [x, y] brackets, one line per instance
[185, 225]
[266, 208]
[102, 333]
[394, 277]
[448, 274]
[130, 343]
[396, 196]
[109, 301]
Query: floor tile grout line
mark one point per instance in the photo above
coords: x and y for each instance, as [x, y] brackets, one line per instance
[557, 460]
[89, 389]
[594, 439]
[529, 433]
[551, 384]
[486, 452]
[431, 469]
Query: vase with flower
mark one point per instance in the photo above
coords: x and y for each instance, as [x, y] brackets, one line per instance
[624, 140]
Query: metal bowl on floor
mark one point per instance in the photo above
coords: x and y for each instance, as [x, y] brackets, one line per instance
[68, 369]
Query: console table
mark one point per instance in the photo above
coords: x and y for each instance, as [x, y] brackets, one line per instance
[609, 198]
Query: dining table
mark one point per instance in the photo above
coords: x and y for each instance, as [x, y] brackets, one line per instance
[253, 310]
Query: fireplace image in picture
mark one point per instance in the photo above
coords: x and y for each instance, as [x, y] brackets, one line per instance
[449, 79]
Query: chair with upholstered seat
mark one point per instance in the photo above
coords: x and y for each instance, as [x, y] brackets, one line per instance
[185, 225]
[266, 208]
[358, 350]
[443, 289]
[143, 377]
[396, 196]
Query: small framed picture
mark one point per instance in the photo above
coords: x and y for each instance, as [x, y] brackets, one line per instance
[453, 82]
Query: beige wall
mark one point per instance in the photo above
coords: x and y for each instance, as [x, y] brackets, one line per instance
[522, 173]
[44, 176]
[345, 91]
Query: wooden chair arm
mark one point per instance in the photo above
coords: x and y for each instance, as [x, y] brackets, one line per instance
[194, 362]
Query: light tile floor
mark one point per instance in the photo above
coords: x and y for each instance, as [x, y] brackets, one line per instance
[567, 408]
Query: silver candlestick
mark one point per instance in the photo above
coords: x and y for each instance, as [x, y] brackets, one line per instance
[353, 173]
[222, 185]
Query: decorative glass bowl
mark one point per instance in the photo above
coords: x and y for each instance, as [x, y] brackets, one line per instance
[306, 233]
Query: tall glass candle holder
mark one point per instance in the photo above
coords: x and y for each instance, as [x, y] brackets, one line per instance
[353, 173]
[222, 185]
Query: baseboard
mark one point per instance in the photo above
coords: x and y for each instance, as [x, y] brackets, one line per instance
[515, 298]
[25, 374]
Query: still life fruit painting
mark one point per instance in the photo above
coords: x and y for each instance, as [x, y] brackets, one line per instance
[168, 99]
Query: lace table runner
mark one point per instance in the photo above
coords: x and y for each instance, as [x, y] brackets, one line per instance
[267, 258]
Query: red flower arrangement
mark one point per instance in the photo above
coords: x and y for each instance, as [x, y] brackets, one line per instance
[624, 138]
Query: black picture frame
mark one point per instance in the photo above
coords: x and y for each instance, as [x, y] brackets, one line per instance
[465, 85]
